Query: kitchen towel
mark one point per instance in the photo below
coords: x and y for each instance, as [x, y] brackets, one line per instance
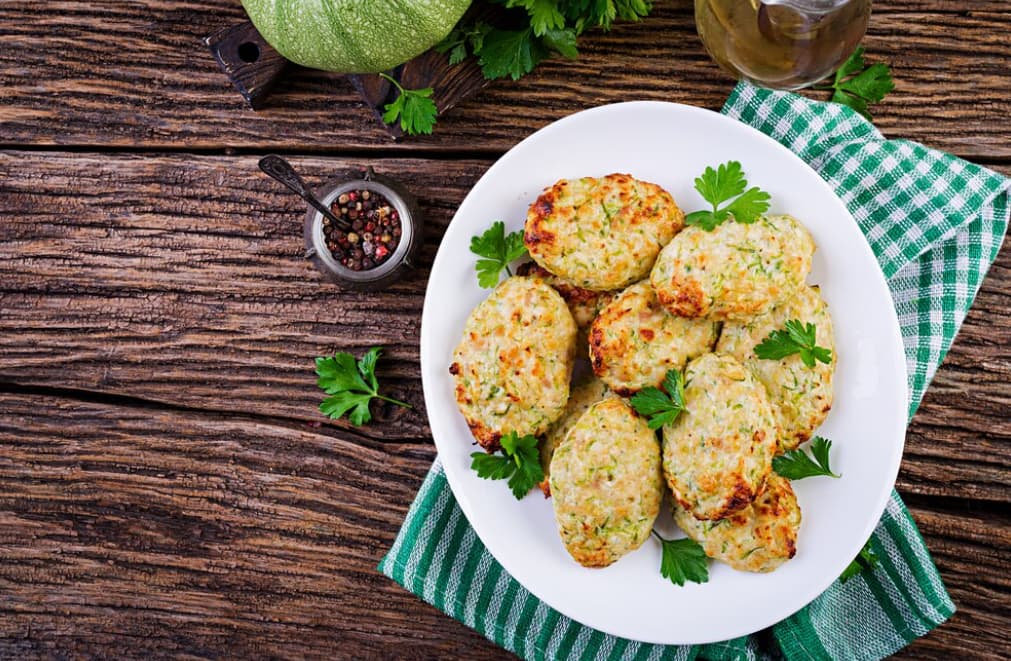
[935, 223]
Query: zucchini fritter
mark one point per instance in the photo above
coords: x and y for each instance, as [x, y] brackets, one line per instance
[758, 538]
[801, 396]
[584, 304]
[606, 485]
[634, 341]
[736, 271]
[601, 234]
[513, 364]
[718, 452]
[582, 397]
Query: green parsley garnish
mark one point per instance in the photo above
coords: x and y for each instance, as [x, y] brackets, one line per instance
[683, 560]
[351, 386]
[498, 250]
[521, 463]
[529, 31]
[797, 464]
[797, 338]
[866, 559]
[857, 85]
[414, 108]
[661, 408]
[727, 184]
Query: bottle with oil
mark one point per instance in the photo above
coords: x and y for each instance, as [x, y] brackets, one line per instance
[781, 44]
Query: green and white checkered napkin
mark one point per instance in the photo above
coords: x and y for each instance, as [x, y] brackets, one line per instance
[935, 223]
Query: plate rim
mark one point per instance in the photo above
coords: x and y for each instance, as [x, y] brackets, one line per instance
[895, 333]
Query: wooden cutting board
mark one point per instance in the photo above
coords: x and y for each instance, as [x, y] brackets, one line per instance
[254, 66]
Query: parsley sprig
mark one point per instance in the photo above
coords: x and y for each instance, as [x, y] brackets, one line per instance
[530, 31]
[866, 559]
[797, 337]
[797, 464]
[660, 407]
[498, 250]
[351, 385]
[727, 186]
[520, 463]
[414, 108]
[683, 560]
[857, 85]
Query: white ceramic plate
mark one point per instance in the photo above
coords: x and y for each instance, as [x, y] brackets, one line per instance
[671, 144]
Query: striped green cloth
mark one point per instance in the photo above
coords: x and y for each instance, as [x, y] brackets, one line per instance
[935, 223]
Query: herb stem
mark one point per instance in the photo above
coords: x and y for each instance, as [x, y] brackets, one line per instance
[509, 271]
[394, 401]
[392, 80]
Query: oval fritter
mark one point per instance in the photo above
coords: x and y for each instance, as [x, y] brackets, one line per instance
[634, 340]
[513, 364]
[735, 271]
[801, 396]
[718, 452]
[601, 234]
[759, 538]
[606, 485]
[582, 397]
[584, 304]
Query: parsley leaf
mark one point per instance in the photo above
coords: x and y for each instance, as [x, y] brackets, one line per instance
[683, 560]
[544, 14]
[723, 185]
[661, 408]
[520, 462]
[351, 386]
[797, 464]
[857, 85]
[866, 559]
[499, 250]
[529, 31]
[512, 53]
[602, 13]
[415, 109]
[797, 338]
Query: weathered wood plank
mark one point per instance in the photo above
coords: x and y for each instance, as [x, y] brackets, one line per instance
[178, 280]
[158, 87]
[202, 535]
[187, 273]
[129, 531]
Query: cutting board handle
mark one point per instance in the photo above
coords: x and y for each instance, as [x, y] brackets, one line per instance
[248, 60]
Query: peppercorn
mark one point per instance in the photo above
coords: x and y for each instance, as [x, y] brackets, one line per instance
[375, 226]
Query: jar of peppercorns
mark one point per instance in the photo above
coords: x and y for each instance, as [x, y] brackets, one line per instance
[379, 235]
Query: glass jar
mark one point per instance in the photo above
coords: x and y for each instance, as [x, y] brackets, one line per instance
[781, 44]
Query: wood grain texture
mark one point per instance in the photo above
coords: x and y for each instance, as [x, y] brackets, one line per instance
[167, 488]
[116, 74]
[128, 532]
[178, 279]
[199, 535]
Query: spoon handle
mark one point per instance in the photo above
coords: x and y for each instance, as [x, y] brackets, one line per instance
[277, 168]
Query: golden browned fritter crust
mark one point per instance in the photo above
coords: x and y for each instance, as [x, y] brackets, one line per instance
[758, 538]
[718, 452]
[735, 271]
[606, 485]
[513, 364]
[601, 233]
[634, 341]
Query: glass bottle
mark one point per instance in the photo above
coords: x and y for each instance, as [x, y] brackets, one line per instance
[781, 44]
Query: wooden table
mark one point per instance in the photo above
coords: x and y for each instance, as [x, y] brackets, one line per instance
[167, 486]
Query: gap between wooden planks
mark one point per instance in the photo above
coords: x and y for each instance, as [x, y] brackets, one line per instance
[205, 535]
[137, 75]
[177, 280]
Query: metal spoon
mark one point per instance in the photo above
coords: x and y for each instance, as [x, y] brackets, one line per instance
[277, 168]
